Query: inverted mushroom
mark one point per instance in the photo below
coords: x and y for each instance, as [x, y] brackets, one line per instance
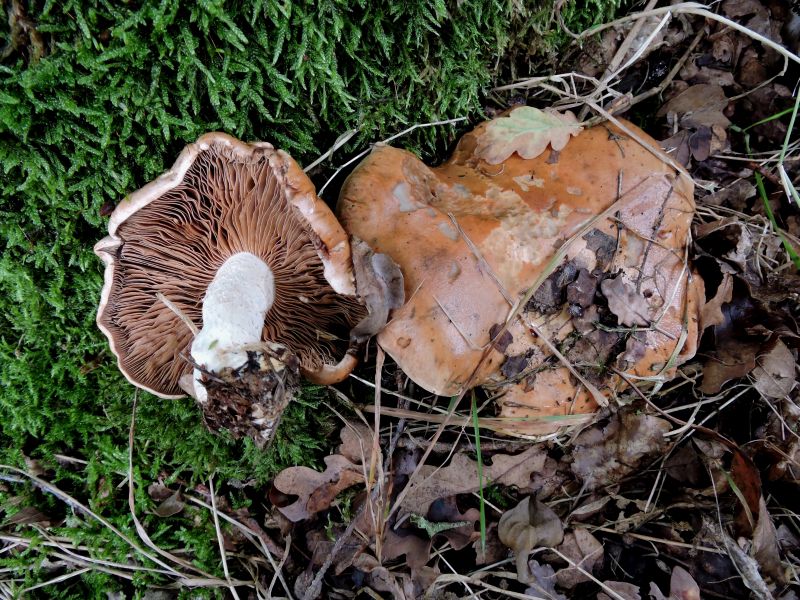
[592, 238]
[227, 278]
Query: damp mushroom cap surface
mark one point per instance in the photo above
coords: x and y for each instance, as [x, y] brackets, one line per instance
[474, 239]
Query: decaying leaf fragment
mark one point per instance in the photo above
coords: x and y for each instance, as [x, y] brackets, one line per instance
[530, 524]
[527, 131]
[606, 453]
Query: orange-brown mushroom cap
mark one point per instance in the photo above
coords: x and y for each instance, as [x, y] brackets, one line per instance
[471, 239]
[223, 196]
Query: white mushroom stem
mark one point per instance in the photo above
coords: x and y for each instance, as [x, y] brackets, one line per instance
[234, 307]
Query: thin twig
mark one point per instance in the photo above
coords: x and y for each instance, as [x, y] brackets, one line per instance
[220, 541]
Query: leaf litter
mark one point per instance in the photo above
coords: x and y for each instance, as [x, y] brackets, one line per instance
[674, 492]
[691, 493]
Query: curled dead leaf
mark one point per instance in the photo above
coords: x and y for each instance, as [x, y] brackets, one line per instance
[171, 506]
[774, 374]
[380, 284]
[765, 545]
[527, 131]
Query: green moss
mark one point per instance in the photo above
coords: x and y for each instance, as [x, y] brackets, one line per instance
[119, 89]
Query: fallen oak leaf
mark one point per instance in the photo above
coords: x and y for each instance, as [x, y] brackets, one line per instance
[625, 302]
[461, 477]
[527, 131]
[316, 491]
[711, 313]
[356, 441]
[697, 106]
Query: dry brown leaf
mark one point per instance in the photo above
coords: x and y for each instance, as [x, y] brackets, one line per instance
[625, 302]
[397, 543]
[316, 490]
[29, 515]
[445, 510]
[583, 549]
[747, 567]
[588, 509]
[765, 544]
[682, 586]
[605, 453]
[171, 506]
[158, 491]
[730, 360]
[746, 477]
[684, 465]
[677, 146]
[530, 524]
[526, 131]
[734, 194]
[699, 105]
[774, 374]
[741, 8]
[461, 477]
[711, 313]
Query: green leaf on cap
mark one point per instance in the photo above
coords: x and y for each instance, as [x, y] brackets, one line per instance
[526, 131]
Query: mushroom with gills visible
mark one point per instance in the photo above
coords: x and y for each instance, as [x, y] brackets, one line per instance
[228, 278]
[592, 236]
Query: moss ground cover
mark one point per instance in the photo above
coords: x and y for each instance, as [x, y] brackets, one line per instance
[96, 99]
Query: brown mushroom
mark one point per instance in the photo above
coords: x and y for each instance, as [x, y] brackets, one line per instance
[585, 250]
[227, 277]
